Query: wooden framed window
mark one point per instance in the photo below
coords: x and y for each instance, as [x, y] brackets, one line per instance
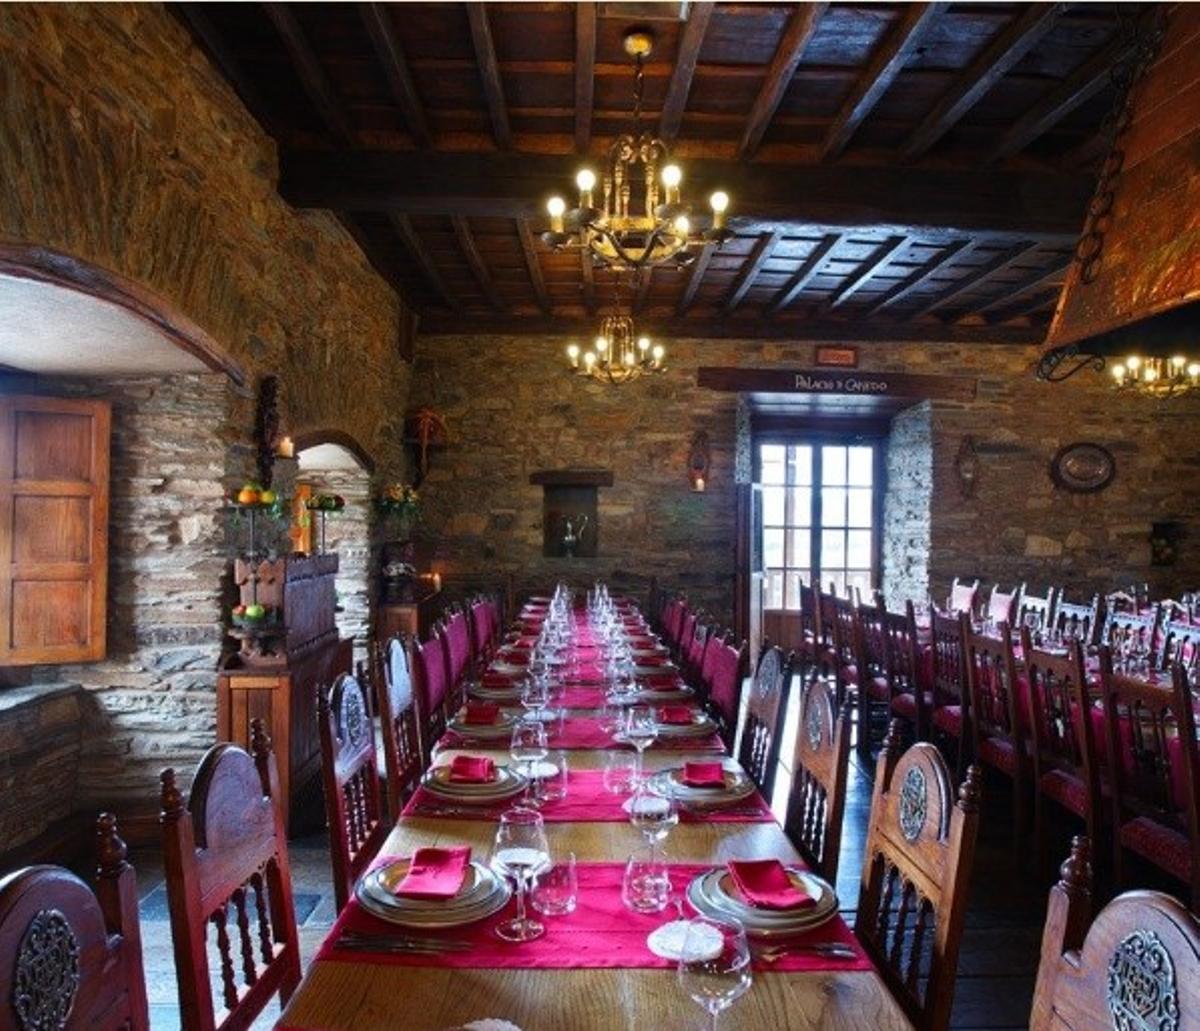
[53, 529]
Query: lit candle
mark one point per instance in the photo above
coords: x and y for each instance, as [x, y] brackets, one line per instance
[658, 354]
[586, 181]
[719, 202]
[589, 361]
[601, 344]
[671, 177]
[556, 206]
[573, 354]
[285, 448]
[437, 581]
[699, 485]
[1119, 373]
[683, 225]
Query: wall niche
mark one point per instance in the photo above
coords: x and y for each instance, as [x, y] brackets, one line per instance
[570, 510]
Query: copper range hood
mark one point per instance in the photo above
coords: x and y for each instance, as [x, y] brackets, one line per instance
[1141, 293]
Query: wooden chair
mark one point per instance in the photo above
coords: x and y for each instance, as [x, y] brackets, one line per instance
[962, 596]
[731, 666]
[762, 736]
[875, 685]
[401, 739]
[999, 732]
[1066, 770]
[809, 635]
[693, 662]
[1122, 601]
[846, 648]
[456, 640]
[916, 872]
[817, 801]
[431, 693]
[1075, 620]
[911, 699]
[226, 850]
[1150, 734]
[1136, 967]
[704, 683]
[1001, 607]
[950, 692]
[1035, 612]
[71, 958]
[353, 806]
[1179, 645]
[483, 628]
[1130, 636]
[686, 631]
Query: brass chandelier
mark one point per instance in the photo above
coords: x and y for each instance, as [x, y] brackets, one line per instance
[616, 232]
[618, 354]
[1157, 377]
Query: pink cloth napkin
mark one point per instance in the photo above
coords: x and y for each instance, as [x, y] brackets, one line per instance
[481, 713]
[472, 769]
[764, 883]
[680, 715]
[435, 873]
[703, 775]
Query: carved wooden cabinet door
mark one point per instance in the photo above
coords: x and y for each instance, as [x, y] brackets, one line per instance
[53, 529]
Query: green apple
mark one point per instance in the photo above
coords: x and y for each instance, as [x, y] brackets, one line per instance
[255, 611]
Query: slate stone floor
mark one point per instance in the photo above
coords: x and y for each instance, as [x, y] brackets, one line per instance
[996, 969]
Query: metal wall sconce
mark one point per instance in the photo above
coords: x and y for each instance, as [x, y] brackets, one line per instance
[699, 458]
[966, 465]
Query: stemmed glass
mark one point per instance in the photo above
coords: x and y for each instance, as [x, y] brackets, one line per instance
[530, 745]
[535, 696]
[520, 851]
[654, 815]
[641, 728]
[714, 964]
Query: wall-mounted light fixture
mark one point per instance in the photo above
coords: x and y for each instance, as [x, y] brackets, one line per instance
[966, 465]
[698, 462]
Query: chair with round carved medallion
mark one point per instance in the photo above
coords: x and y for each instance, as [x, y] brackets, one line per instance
[74, 958]
[762, 734]
[350, 769]
[817, 800]
[400, 739]
[916, 872]
[1136, 966]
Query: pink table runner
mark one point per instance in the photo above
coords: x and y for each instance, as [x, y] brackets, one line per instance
[587, 801]
[575, 696]
[585, 732]
[600, 934]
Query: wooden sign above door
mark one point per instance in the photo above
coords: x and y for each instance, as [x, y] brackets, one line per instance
[847, 383]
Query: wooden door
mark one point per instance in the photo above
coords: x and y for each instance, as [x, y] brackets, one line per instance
[53, 529]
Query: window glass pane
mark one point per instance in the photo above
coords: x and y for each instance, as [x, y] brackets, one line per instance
[773, 549]
[791, 598]
[860, 578]
[833, 551]
[838, 579]
[801, 506]
[861, 465]
[858, 549]
[771, 458]
[772, 503]
[833, 465]
[800, 544]
[833, 506]
[800, 458]
[859, 501]
[773, 596]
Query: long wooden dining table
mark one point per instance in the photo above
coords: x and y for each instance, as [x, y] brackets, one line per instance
[337, 994]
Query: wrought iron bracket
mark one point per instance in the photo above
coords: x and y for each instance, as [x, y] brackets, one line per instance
[1050, 365]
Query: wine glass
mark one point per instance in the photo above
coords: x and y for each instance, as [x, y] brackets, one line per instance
[520, 851]
[714, 964]
[654, 815]
[641, 728]
[535, 696]
[530, 745]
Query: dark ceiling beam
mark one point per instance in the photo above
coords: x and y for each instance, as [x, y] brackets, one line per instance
[403, 227]
[1029, 307]
[695, 278]
[992, 64]
[585, 72]
[1057, 103]
[873, 262]
[746, 327]
[972, 279]
[312, 76]
[377, 19]
[935, 205]
[796, 35]
[479, 269]
[750, 270]
[1035, 281]
[587, 281]
[533, 265]
[379, 261]
[887, 62]
[690, 40]
[915, 278]
[489, 74]
[804, 274]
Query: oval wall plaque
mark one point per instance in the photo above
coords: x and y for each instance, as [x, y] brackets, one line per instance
[1083, 468]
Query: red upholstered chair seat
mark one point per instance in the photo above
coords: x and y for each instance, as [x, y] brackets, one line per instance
[1067, 790]
[948, 719]
[879, 688]
[1001, 753]
[1164, 846]
[905, 704]
[850, 674]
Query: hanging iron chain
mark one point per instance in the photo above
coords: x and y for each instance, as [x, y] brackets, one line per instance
[639, 88]
[1145, 35]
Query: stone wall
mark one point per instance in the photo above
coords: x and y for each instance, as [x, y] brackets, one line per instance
[512, 409]
[908, 505]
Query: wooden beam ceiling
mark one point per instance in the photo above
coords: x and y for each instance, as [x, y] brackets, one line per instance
[874, 261]
[688, 54]
[978, 275]
[915, 279]
[312, 76]
[585, 72]
[695, 278]
[803, 276]
[403, 227]
[533, 266]
[377, 19]
[750, 270]
[1035, 281]
[479, 269]
[489, 73]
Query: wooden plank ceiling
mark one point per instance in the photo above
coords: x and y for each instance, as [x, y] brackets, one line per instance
[897, 171]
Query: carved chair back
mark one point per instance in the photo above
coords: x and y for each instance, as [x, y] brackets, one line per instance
[431, 692]
[762, 736]
[483, 630]
[1035, 612]
[398, 716]
[226, 864]
[1130, 635]
[904, 671]
[913, 899]
[731, 666]
[711, 662]
[1002, 607]
[73, 959]
[696, 645]
[1136, 966]
[810, 622]
[962, 596]
[1075, 620]
[1150, 733]
[817, 801]
[351, 775]
[456, 639]
[674, 624]
[992, 674]
[872, 641]
[686, 630]
[846, 644]
[949, 660]
[1179, 646]
[1065, 760]
[1121, 601]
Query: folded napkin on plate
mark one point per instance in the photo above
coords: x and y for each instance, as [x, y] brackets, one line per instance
[675, 714]
[704, 775]
[481, 713]
[765, 884]
[435, 873]
[472, 769]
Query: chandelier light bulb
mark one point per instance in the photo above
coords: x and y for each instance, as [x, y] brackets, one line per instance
[585, 179]
[556, 206]
[589, 359]
[601, 344]
[1118, 372]
[682, 225]
[627, 358]
[573, 355]
[672, 176]
[643, 344]
[1150, 374]
[658, 352]
[1179, 361]
[1133, 362]
[719, 202]
[1193, 370]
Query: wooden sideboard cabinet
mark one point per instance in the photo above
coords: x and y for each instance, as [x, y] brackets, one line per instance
[413, 618]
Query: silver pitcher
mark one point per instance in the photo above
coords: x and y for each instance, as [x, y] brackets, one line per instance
[572, 535]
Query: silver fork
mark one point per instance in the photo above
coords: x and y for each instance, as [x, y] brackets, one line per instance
[832, 950]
